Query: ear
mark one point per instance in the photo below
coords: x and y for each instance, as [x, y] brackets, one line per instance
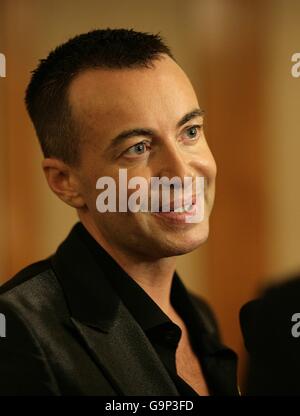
[63, 182]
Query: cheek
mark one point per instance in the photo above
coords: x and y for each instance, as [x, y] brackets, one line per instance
[211, 163]
[89, 179]
[212, 174]
[209, 166]
[90, 192]
[205, 166]
[213, 166]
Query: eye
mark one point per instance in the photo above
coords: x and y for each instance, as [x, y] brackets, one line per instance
[192, 132]
[137, 149]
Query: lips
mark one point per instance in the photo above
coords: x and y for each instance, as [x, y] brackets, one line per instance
[180, 205]
[177, 218]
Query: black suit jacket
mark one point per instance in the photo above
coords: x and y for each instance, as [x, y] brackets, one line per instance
[68, 333]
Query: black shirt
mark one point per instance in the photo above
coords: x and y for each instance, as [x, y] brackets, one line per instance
[218, 362]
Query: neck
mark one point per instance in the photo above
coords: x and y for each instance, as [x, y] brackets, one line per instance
[154, 276]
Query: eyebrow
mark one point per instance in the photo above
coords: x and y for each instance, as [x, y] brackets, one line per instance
[189, 116]
[127, 134]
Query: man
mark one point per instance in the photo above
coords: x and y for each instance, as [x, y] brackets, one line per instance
[107, 314]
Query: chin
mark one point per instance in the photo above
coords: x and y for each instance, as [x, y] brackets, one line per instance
[184, 242]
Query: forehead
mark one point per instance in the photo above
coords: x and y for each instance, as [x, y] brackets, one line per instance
[110, 100]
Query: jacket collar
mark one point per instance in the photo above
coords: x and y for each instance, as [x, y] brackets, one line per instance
[89, 294]
[111, 335]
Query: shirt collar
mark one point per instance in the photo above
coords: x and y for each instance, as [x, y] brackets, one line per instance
[145, 311]
[93, 288]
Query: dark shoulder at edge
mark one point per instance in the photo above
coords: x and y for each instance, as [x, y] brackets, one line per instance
[25, 274]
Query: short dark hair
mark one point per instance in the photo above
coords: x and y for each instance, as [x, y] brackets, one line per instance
[46, 95]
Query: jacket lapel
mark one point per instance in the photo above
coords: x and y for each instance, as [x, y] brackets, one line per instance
[127, 358]
[111, 335]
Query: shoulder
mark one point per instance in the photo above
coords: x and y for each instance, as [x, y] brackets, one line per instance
[268, 319]
[29, 305]
[32, 293]
[271, 336]
[26, 274]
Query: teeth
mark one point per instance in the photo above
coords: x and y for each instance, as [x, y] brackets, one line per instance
[180, 209]
[188, 207]
[184, 209]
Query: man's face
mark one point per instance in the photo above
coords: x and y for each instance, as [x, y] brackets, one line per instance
[109, 102]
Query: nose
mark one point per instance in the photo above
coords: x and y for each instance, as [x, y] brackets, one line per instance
[173, 162]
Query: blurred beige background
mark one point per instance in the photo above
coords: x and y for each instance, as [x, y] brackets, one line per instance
[238, 56]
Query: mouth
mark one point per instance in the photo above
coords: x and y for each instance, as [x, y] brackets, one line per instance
[178, 215]
[181, 208]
